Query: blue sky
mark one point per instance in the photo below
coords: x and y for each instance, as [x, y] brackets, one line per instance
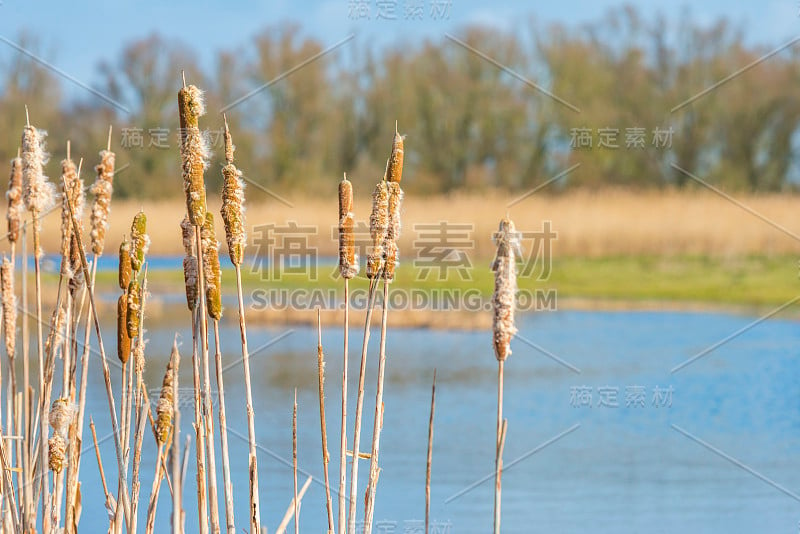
[76, 37]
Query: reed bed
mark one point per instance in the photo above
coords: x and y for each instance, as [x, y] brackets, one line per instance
[41, 483]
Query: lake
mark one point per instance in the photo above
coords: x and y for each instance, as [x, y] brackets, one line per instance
[602, 436]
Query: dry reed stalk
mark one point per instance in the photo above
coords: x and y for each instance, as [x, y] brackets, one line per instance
[110, 503]
[503, 329]
[8, 489]
[177, 493]
[379, 221]
[430, 457]
[348, 268]
[141, 424]
[295, 502]
[294, 464]
[38, 194]
[141, 408]
[199, 427]
[233, 217]
[25, 446]
[165, 412]
[394, 172]
[322, 426]
[213, 279]
[106, 372]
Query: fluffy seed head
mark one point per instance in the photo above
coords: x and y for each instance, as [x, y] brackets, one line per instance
[38, 192]
[166, 400]
[57, 448]
[61, 414]
[348, 259]
[194, 152]
[140, 241]
[69, 178]
[123, 339]
[393, 229]
[211, 269]
[102, 189]
[124, 264]
[14, 196]
[505, 288]
[134, 306]
[394, 167]
[378, 226]
[233, 204]
[9, 300]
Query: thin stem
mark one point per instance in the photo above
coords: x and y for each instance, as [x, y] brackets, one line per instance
[322, 425]
[343, 442]
[223, 436]
[498, 471]
[294, 463]
[44, 450]
[154, 491]
[295, 503]
[208, 416]
[378, 421]
[27, 474]
[199, 427]
[351, 520]
[177, 492]
[430, 457]
[255, 515]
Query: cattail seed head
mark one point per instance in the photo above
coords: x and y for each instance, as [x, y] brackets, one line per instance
[102, 190]
[211, 268]
[123, 339]
[134, 306]
[348, 259]
[166, 400]
[55, 338]
[393, 229]
[505, 288]
[187, 233]
[69, 175]
[14, 196]
[194, 152]
[9, 300]
[233, 204]
[57, 448]
[37, 192]
[378, 226]
[394, 167]
[124, 264]
[190, 280]
[140, 241]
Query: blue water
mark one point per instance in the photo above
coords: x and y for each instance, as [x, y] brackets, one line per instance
[720, 455]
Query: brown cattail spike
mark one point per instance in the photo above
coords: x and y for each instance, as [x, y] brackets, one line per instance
[505, 287]
[211, 269]
[394, 167]
[393, 230]
[123, 339]
[69, 175]
[194, 152]
[9, 300]
[140, 241]
[348, 260]
[233, 204]
[134, 303]
[61, 415]
[378, 225]
[102, 190]
[14, 196]
[124, 264]
[166, 401]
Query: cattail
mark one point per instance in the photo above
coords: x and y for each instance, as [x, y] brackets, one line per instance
[188, 235]
[394, 166]
[166, 402]
[138, 356]
[134, 305]
[505, 287]
[348, 259]
[102, 189]
[37, 193]
[124, 264]
[194, 152]
[211, 269]
[61, 415]
[123, 339]
[14, 196]
[56, 337]
[378, 226]
[393, 229]
[232, 204]
[140, 241]
[189, 262]
[9, 300]
[69, 175]
[77, 198]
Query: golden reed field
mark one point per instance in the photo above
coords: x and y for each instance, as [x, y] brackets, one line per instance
[589, 224]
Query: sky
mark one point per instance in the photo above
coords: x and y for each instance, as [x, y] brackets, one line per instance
[76, 37]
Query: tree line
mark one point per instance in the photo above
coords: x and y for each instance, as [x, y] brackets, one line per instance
[634, 100]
